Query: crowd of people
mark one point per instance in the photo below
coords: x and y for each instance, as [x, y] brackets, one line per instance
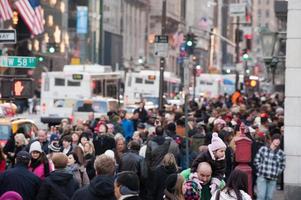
[144, 154]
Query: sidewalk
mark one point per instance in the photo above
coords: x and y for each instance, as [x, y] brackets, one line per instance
[279, 195]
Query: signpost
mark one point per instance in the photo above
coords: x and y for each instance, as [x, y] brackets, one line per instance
[237, 9]
[18, 62]
[161, 45]
[8, 36]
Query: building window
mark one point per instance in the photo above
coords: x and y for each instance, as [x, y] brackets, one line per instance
[139, 80]
[259, 13]
[267, 13]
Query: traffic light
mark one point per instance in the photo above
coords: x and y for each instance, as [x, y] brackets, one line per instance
[245, 55]
[52, 47]
[190, 43]
[16, 88]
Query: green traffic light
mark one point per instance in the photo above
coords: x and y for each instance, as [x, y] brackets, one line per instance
[189, 43]
[41, 59]
[245, 56]
[51, 50]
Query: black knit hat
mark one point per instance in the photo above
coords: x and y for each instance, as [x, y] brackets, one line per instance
[170, 182]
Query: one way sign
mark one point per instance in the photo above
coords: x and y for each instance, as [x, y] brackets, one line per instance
[8, 36]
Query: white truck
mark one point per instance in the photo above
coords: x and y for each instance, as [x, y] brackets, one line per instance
[61, 89]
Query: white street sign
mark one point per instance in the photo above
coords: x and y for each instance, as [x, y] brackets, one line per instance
[8, 36]
[237, 9]
[161, 45]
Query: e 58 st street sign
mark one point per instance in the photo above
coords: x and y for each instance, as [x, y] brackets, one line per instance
[8, 36]
[18, 62]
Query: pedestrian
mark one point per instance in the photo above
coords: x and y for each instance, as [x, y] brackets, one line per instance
[39, 165]
[60, 184]
[143, 116]
[89, 157]
[103, 141]
[215, 156]
[198, 184]
[102, 186]
[127, 125]
[174, 187]
[126, 186]
[78, 170]
[120, 147]
[20, 179]
[269, 162]
[167, 167]
[235, 189]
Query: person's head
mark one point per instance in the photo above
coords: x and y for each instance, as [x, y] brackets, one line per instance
[89, 148]
[174, 185]
[104, 165]
[59, 160]
[276, 140]
[141, 105]
[20, 140]
[84, 138]
[91, 116]
[80, 155]
[42, 136]
[75, 137]
[204, 172]
[217, 147]
[136, 136]
[134, 145]
[159, 131]
[126, 183]
[23, 158]
[169, 161]
[238, 180]
[135, 114]
[102, 128]
[67, 141]
[35, 150]
[111, 128]
[120, 144]
[72, 159]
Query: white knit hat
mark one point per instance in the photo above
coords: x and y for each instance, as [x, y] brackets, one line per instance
[35, 146]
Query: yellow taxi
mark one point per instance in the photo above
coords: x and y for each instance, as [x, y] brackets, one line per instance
[16, 125]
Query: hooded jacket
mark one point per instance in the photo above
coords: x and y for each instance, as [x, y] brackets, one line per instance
[101, 187]
[59, 185]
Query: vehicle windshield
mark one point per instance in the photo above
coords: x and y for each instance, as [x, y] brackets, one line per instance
[97, 106]
[5, 132]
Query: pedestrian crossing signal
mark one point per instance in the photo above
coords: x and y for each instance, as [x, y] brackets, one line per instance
[16, 88]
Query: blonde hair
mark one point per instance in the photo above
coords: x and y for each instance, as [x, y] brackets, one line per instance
[169, 160]
[21, 137]
[178, 188]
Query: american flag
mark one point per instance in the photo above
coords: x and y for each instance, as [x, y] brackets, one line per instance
[32, 14]
[6, 12]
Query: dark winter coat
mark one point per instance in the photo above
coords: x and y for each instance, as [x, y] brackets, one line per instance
[101, 187]
[143, 116]
[131, 161]
[102, 143]
[59, 185]
[218, 166]
[160, 176]
[89, 164]
[21, 180]
[156, 149]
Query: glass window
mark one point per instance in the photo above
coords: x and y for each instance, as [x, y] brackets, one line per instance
[149, 82]
[267, 13]
[59, 82]
[129, 81]
[73, 83]
[5, 131]
[139, 80]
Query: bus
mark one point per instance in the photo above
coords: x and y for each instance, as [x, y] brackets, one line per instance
[61, 89]
[145, 85]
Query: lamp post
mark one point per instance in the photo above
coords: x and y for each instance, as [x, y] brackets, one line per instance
[268, 45]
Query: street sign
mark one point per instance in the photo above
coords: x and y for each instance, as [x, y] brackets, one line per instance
[18, 62]
[161, 45]
[8, 36]
[237, 9]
